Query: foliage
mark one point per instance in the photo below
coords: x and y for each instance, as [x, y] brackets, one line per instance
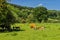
[41, 13]
[7, 17]
[12, 13]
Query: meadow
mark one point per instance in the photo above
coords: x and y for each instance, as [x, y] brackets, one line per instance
[51, 32]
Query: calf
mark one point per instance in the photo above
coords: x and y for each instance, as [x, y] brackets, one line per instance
[16, 28]
[41, 28]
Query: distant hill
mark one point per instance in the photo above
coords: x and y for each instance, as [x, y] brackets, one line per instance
[24, 11]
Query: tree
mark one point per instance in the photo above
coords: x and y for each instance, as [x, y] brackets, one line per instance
[41, 13]
[6, 15]
[52, 14]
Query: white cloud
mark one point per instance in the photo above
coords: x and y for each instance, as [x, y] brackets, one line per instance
[40, 4]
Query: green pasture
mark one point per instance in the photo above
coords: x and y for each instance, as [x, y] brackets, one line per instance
[51, 32]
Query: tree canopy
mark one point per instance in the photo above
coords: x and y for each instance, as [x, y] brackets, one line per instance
[12, 13]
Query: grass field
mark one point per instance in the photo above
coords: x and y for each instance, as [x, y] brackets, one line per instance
[51, 32]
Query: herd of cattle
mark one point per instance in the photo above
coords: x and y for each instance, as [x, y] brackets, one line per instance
[8, 27]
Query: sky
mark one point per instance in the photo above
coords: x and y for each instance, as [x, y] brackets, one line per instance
[49, 4]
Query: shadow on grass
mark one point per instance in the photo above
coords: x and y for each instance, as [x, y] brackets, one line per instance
[6, 31]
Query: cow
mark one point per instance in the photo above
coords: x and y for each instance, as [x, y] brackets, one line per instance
[41, 28]
[5, 27]
[16, 28]
[32, 25]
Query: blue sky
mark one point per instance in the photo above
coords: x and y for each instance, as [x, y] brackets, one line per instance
[50, 4]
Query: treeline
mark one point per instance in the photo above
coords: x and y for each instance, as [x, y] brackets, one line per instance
[37, 14]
